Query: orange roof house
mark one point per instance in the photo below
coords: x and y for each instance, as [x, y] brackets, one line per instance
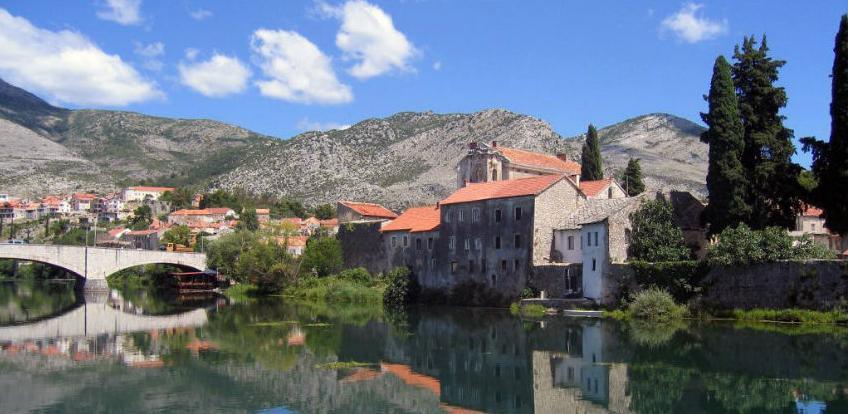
[502, 189]
[539, 160]
[351, 210]
[416, 219]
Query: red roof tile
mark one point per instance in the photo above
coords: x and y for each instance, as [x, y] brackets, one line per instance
[415, 219]
[369, 209]
[539, 160]
[502, 189]
[203, 212]
[151, 189]
[593, 188]
[811, 211]
[142, 232]
[263, 211]
[329, 223]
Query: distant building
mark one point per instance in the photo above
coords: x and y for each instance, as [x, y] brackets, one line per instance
[139, 193]
[810, 222]
[142, 239]
[263, 215]
[485, 163]
[602, 189]
[355, 211]
[82, 202]
[206, 215]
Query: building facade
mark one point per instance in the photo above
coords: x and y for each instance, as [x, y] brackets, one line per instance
[490, 162]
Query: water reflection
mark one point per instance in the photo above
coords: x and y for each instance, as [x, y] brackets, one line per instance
[272, 356]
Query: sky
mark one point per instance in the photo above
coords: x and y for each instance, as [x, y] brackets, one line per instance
[284, 67]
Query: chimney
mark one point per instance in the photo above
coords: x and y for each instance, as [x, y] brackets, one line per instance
[494, 144]
[562, 156]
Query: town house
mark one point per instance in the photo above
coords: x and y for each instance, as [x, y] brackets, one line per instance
[490, 162]
[348, 211]
[140, 193]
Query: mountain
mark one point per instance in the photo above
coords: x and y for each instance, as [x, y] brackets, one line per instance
[405, 159]
[410, 158]
[57, 150]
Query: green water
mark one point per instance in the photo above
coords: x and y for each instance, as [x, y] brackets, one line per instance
[275, 357]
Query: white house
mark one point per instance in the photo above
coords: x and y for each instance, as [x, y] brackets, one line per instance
[139, 193]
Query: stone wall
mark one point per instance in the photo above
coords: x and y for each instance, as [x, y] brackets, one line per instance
[557, 279]
[818, 285]
[362, 246]
[558, 201]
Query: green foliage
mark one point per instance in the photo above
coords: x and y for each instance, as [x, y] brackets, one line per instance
[358, 275]
[739, 246]
[222, 198]
[73, 237]
[340, 288]
[288, 208]
[531, 311]
[655, 305]
[681, 279]
[241, 292]
[267, 266]
[248, 220]
[830, 159]
[774, 193]
[402, 288]
[655, 236]
[632, 179]
[178, 235]
[324, 211]
[179, 198]
[790, 315]
[223, 253]
[322, 256]
[590, 160]
[142, 216]
[726, 180]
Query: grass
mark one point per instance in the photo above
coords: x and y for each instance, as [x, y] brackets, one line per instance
[337, 290]
[788, 316]
[241, 292]
[616, 314]
[342, 365]
[531, 311]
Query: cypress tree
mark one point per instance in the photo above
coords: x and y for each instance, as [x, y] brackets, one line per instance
[830, 160]
[633, 184]
[591, 163]
[726, 182]
[774, 192]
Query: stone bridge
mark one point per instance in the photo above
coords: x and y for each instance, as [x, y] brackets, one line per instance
[94, 264]
[93, 319]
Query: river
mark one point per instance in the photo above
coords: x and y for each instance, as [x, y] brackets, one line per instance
[138, 352]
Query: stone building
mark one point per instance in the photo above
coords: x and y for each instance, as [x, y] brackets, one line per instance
[485, 163]
[602, 189]
[410, 240]
[347, 211]
[811, 222]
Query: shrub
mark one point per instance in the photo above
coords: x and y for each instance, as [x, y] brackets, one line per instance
[531, 310]
[358, 275]
[323, 256]
[740, 246]
[655, 237]
[681, 279]
[655, 305]
[402, 288]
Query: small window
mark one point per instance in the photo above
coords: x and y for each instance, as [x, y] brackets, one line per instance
[394, 241]
[596, 239]
[467, 244]
[813, 226]
[494, 279]
[503, 265]
[452, 243]
[447, 216]
[417, 244]
[609, 193]
[475, 215]
[478, 244]
[432, 263]
[518, 214]
[570, 242]
[497, 242]
[453, 267]
[430, 243]
[594, 264]
[461, 215]
[517, 240]
[516, 264]
[498, 216]
[405, 241]
[470, 266]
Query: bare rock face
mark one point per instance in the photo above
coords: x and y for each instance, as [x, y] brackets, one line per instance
[410, 158]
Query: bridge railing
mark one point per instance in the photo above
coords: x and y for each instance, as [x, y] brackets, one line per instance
[92, 247]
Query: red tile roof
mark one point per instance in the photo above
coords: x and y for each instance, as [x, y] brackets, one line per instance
[369, 209]
[203, 212]
[142, 232]
[151, 189]
[415, 219]
[811, 211]
[540, 160]
[593, 188]
[502, 189]
[293, 241]
[84, 196]
[263, 211]
[329, 223]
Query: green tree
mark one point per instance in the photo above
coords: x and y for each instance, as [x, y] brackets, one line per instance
[223, 253]
[222, 198]
[726, 182]
[774, 194]
[591, 163]
[179, 198]
[830, 160]
[322, 256]
[178, 235]
[655, 236]
[248, 220]
[632, 178]
[267, 266]
[142, 216]
[324, 211]
[288, 208]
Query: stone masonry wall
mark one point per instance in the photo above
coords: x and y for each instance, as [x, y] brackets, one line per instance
[554, 278]
[558, 201]
[362, 246]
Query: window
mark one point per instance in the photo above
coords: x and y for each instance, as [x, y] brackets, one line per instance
[516, 264]
[477, 244]
[813, 226]
[494, 175]
[517, 240]
[453, 267]
[461, 215]
[475, 215]
[497, 242]
[594, 264]
[518, 214]
[483, 265]
[447, 216]
[467, 244]
[627, 235]
[498, 216]
[452, 243]
[570, 242]
[432, 263]
[494, 279]
[503, 265]
[405, 241]
[596, 239]
[609, 192]
[430, 243]
[394, 241]
[470, 266]
[417, 244]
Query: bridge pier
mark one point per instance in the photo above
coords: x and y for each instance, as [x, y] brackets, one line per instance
[93, 290]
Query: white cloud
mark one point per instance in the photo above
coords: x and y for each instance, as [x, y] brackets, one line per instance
[200, 14]
[67, 67]
[296, 69]
[150, 54]
[191, 53]
[437, 65]
[691, 28]
[306, 125]
[369, 36]
[219, 76]
[125, 12]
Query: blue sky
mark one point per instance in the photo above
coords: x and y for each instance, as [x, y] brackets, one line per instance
[282, 67]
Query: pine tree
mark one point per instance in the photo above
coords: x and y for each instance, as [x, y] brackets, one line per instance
[591, 163]
[774, 192]
[830, 160]
[726, 182]
[632, 179]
